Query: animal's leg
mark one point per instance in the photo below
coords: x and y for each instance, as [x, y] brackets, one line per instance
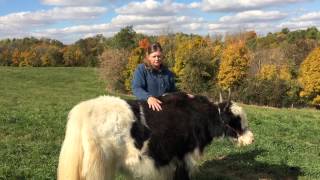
[97, 164]
[181, 172]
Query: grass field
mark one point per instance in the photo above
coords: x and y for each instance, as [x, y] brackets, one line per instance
[34, 103]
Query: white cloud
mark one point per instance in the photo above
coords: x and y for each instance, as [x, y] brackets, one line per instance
[69, 34]
[225, 27]
[257, 20]
[302, 22]
[153, 17]
[253, 16]
[152, 8]
[71, 2]
[30, 23]
[156, 25]
[139, 19]
[294, 25]
[312, 16]
[239, 5]
[43, 17]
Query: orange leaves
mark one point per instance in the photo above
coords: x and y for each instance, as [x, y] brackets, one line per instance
[144, 43]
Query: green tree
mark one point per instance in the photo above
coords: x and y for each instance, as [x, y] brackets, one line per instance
[193, 64]
[285, 30]
[312, 33]
[91, 48]
[124, 39]
[198, 72]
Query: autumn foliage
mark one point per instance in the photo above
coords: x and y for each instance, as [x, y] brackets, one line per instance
[234, 65]
[310, 77]
[278, 69]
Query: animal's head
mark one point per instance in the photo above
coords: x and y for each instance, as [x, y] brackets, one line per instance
[235, 122]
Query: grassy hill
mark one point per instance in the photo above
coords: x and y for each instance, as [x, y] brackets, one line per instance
[34, 103]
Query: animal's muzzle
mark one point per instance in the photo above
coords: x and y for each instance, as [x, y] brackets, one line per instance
[246, 138]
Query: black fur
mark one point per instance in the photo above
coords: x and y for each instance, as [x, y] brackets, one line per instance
[139, 132]
[183, 125]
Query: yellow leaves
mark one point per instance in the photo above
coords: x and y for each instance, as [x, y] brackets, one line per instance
[316, 100]
[268, 72]
[271, 71]
[234, 65]
[185, 47]
[181, 54]
[135, 58]
[309, 76]
[284, 73]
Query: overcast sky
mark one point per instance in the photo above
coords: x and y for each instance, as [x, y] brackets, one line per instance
[70, 20]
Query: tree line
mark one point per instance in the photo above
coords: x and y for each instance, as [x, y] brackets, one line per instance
[279, 69]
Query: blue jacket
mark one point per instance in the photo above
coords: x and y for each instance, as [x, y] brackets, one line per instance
[147, 82]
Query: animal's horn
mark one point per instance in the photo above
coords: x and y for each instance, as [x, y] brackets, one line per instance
[229, 94]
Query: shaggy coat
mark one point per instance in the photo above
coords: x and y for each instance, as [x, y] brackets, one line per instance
[108, 134]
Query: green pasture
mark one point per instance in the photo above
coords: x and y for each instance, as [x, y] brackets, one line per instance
[34, 103]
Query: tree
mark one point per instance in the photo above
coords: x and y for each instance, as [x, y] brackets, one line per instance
[91, 48]
[73, 56]
[185, 45]
[268, 72]
[285, 30]
[52, 57]
[276, 81]
[309, 77]
[193, 64]
[124, 39]
[5, 57]
[312, 33]
[271, 92]
[136, 57]
[29, 58]
[16, 59]
[197, 74]
[234, 65]
[112, 66]
[168, 44]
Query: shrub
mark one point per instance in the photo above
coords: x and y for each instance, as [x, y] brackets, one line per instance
[112, 65]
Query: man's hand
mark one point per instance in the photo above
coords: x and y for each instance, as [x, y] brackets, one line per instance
[154, 103]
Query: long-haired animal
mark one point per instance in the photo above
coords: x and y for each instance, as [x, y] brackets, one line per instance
[109, 134]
